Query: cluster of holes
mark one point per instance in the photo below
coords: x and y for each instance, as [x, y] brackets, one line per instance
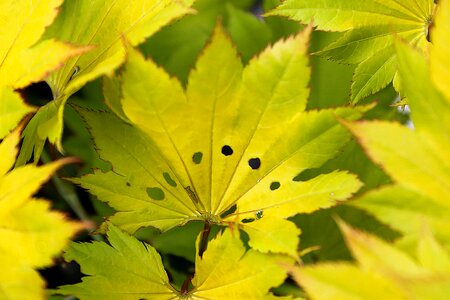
[254, 163]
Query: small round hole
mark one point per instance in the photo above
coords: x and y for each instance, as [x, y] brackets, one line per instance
[226, 150]
[155, 193]
[197, 157]
[275, 185]
[254, 163]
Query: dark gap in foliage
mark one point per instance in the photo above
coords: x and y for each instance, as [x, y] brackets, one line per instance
[37, 94]
[61, 273]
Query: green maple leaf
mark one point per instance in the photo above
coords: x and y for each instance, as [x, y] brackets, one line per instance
[30, 233]
[23, 58]
[382, 271]
[368, 40]
[416, 159]
[236, 137]
[99, 26]
[130, 269]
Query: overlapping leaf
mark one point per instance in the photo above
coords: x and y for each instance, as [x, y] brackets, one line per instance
[416, 159]
[235, 137]
[177, 47]
[23, 59]
[226, 271]
[368, 39]
[440, 51]
[30, 234]
[381, 271]
[99, 26]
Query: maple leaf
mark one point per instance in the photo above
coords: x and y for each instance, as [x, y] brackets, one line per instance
[416, 159]
[30, 234]
[236, 137]
[368, 39]
[100, 27]
[226, 270]
[23, 58]
[381, 272]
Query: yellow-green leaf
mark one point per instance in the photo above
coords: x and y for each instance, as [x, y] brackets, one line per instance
[406, 211]
[22, 59]
[12, 110]
[30, 233]
[235, 136]
[417, 159]
[99, 26]
[405, 157]
[129, 269]
[272, 234]
[381, 271]
[369, 27]
[343, 281]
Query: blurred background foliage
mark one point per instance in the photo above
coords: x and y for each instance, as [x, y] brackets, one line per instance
[176, 48]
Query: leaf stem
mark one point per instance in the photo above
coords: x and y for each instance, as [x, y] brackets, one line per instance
[204, 239]
[186, 283]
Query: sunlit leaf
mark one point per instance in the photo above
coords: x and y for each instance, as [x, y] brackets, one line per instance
[440, 51]
[30, 233]
[369, 27]
[23, 58]
[129, 269]
[236, 136]
[100, 26]
[416, 159]
[381, 271]
[12, 110]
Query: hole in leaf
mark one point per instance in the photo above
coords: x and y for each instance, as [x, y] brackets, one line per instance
[254, 163]
[245, 221]
[155, 193]
[229, 211]
[226, 150]
[259, 214]
[197, 157]
[169, 179]
[275, 186]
